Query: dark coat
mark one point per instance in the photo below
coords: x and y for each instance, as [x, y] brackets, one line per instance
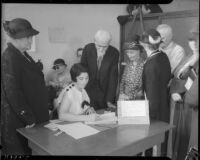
[108, 70]
[156, 76]
[24, 98]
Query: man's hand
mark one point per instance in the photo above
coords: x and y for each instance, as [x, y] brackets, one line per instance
[110, 105]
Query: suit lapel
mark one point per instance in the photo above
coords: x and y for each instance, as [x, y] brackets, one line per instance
[104, 65]
[93, 63]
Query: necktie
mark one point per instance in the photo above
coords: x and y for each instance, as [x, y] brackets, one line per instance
[99, 60]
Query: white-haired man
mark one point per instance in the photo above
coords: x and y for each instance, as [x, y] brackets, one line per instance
[174, 51]
[101, 60]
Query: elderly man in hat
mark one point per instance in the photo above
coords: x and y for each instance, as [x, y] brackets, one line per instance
[101, 59]
[23, 92]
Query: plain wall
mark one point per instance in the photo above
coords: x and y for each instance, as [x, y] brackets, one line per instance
[79, 21]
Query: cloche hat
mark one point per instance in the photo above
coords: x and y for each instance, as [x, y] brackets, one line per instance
[19, 28]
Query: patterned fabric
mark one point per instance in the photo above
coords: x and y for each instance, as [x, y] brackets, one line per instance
[131, 82]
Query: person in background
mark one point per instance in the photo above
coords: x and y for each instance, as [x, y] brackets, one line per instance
[59, 76]
[23, 92]
[79, 52]
[175, 53]
[131, 83]
[185, 85]
[56, 80]
[101, 59]
[73, 102]
[156, 76]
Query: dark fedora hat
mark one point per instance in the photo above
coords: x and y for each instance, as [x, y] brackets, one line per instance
[19, 28]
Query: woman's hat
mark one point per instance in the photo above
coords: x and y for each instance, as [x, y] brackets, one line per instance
[152, 36]
[132, 43]
[19, 28]
[132, 46]
[58, 62]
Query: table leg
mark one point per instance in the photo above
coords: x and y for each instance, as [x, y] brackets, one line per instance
[157, 150]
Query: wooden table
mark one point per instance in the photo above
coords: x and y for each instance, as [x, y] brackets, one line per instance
[121, 140]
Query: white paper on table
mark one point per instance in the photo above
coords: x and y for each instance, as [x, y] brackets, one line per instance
[78, 130]
[188, 84]
[133, 108]
[52, 126]
[106, 118]
[55, 121]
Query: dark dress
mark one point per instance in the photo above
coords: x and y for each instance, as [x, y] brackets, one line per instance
[156, 76]
[23, 99]
[185, 135]
[102, 84]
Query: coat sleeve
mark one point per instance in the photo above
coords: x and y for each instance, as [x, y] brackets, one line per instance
[13, 92]
[151, 87]
[113, 80]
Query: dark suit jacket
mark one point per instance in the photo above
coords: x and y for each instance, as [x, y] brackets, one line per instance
[156, 75]
[108, 70]
[24, 96]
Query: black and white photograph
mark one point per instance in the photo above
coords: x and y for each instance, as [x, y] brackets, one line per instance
[100, 80]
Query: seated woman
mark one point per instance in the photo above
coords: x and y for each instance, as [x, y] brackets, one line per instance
[73, 102]
[131, 83]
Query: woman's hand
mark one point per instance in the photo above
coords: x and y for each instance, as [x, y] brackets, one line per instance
[90, 110]
[176, 97]
[123, 97]
[30, 126]
[93, 117]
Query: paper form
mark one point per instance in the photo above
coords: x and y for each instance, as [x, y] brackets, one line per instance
[106, 118]
[55, 121]
[78, 130]
[52, 126]
[188, 84]
[133, 108]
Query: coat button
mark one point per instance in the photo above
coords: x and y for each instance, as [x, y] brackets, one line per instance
[22, 112]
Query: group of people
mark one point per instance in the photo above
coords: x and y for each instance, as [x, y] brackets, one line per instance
[157, 70]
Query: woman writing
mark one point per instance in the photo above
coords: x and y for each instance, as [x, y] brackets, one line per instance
[73, 102]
